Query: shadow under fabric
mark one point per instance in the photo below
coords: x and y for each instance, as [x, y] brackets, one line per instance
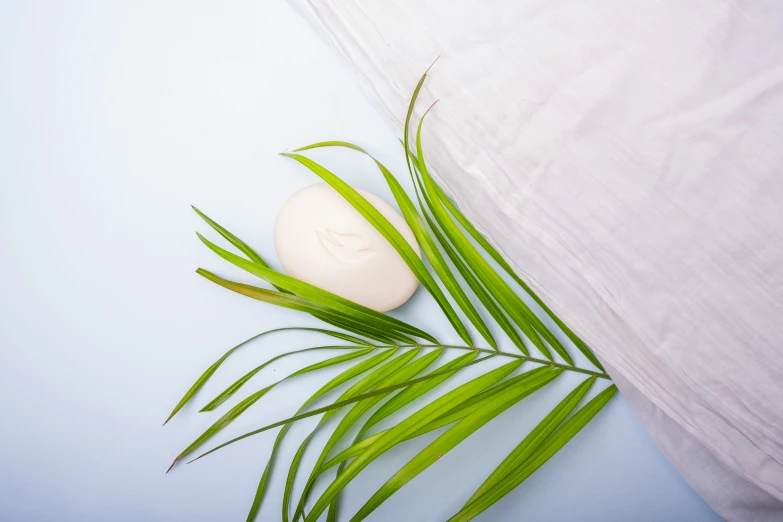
[626, 157]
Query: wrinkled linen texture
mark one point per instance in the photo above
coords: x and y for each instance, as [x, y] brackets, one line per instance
[627, 157]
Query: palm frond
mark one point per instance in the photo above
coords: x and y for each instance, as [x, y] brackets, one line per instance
[321, 297]
[514, 306]
[357, 323]
[359, 409]
[213, 368]
[236, 385]
[392, 364]
[510, 395]
[535, 438]
[244, 404]
[494, 254]
[342, 378]
[407, 427]
[538, 457]
[341, 403]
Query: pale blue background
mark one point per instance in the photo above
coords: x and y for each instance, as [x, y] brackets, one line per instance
[113, 119]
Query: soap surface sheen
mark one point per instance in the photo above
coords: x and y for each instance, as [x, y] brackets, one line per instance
[322, 240]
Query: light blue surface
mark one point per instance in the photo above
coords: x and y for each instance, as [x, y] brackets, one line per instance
[112, 121]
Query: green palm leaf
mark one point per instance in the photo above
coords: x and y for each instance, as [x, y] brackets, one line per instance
[392, 235]
[369, 382]
[535, 438]
[425, 240]
[256, 258]
[478, 289]
[243, 405]
[385, 375]
[345, 402]
[415, 391]
[511, 303]
[494, 254]
[353, 329]
[426, 208]
[321, 297]
[538, 457]
[234, 240]
[342, 378]
[359, 409]
[213, 368]
[456, 434]
[396, 403]
[304, 305]
[458, 412]
[405, 428]
[390, 365]
[236, 385]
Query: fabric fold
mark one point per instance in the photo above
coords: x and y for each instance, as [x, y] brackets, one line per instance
[625, 157]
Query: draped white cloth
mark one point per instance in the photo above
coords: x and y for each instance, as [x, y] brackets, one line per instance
[627, 157]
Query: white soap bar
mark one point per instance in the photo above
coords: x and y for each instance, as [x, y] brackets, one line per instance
[322, 240]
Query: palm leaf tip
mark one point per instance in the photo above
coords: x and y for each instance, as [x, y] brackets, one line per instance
[172, 465]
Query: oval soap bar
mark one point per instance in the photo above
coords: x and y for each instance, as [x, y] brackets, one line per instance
[322, 240]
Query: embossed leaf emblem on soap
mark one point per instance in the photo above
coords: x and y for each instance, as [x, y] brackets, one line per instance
[348, 248]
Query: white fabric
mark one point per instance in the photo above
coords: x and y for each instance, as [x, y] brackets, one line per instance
[728, 494]
[626, 155]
